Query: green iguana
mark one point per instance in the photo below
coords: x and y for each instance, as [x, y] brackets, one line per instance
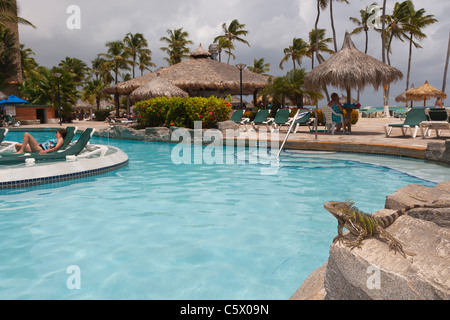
[365, 225]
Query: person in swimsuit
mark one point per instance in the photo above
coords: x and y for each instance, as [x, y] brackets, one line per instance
[30, 144]
[438, 103]
[337, 107]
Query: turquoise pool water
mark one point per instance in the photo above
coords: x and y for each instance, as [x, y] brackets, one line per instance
[156, 230]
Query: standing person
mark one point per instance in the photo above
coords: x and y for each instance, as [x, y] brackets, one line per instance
[438, 103]
[30, 144]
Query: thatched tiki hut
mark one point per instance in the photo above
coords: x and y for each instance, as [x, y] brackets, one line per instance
[156, 87]
[200, 76]
[424, 92]
[350, 68]
[402, 96]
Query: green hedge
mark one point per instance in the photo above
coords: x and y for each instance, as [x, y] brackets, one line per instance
[102, 114]
[182, 112]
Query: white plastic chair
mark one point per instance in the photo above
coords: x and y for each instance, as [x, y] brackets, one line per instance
[328, 114]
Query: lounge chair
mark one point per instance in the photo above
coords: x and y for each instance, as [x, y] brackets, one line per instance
[260, 119]
[303, 118]
[412, 122]
[8, 120]
[281, 119]
[437, 119]
[237, 118]
[330, 125]
[71, 150]
[69, 136]
[3, 132]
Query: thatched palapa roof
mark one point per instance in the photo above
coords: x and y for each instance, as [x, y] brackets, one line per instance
[424, 92]
[157, 87]
[199, 73]
[351, 68]
[402, 96]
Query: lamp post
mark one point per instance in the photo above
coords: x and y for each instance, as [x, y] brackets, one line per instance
[241, 67]
[57, 76]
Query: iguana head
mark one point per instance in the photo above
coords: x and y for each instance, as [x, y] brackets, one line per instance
[340, 210]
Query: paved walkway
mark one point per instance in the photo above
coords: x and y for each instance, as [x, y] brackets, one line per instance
[367, 136]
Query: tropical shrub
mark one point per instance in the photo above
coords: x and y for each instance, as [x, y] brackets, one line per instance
[182, 112]
[102, 114]
[321, 118]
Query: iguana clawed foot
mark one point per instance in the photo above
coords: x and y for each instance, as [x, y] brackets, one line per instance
[353, 244]
[339, 239]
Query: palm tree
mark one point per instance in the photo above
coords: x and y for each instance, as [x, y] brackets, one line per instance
[224, 43]
[363, 23]
[295, 87]
[43, 89]
[296, 52]
[417, 21]
[8, 65]
[100, 70]
[76, 67]
[28, 63]
[137, 46]
[321, 5]
[290, 86]
[332, 22]
[145, 61]
[177, 45]
[9, 13]
[233, 32]
[115, 59]
[317, 46]
[259, 66]
[397, 24]
[93, 90]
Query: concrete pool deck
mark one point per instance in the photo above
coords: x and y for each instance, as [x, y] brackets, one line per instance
[367, 136]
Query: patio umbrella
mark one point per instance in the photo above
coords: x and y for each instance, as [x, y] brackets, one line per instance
[424, 92]
[157, 87]
[350, 68]
[3, 96]
[12, 100]
[402, 96]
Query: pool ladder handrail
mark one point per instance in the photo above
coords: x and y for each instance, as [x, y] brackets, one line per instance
[288, 133]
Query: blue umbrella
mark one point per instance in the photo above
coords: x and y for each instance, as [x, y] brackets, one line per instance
[13, 100]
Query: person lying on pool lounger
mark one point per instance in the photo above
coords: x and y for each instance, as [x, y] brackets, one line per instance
[30, 144]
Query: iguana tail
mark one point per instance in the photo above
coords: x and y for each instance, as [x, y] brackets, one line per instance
[388, 220]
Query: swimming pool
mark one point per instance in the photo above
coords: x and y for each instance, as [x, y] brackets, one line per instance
[156, 230]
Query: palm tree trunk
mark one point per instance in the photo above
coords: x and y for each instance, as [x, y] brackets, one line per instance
[332, 26]
[409, 62]
[444, 82]
[315, 28]
[383, 33]
[366, 30]
[383, 44]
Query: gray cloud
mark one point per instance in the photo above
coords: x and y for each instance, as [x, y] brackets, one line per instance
[271, 24]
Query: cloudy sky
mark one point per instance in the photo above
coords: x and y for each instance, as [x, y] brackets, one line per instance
[271, 24]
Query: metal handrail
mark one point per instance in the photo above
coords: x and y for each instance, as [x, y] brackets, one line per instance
[288, 133]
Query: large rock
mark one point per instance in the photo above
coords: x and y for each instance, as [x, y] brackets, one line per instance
[374, 272]
[438, 151]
